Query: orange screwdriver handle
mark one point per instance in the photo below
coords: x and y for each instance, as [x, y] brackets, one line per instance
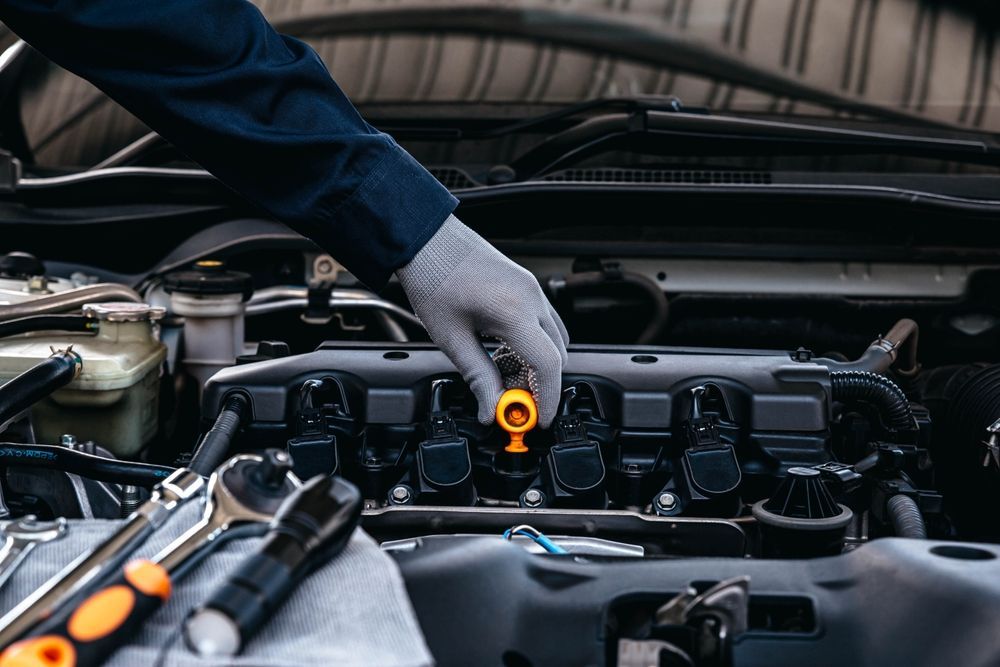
[90, 632]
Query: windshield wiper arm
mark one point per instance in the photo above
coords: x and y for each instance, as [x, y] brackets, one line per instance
[649, 103]
[435, 128]
[680, 133]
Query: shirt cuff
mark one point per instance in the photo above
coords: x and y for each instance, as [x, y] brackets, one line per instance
[395, 210]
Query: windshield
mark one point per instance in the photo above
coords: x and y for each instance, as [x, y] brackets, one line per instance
[927, 59]
[915, 60]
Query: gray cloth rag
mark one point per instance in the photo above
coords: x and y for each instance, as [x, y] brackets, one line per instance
[352, 611]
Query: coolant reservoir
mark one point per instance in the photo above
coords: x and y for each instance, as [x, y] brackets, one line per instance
[212, 301]
[115, 399]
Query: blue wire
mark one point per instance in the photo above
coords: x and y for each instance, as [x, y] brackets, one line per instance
[549, 545]
[539, 539]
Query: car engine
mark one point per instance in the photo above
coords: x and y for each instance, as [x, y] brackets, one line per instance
[666, 453]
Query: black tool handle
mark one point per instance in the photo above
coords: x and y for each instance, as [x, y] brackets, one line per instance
[86, 634]
[313, 526]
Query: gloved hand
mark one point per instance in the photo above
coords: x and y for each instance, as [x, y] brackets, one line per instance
[460, 286]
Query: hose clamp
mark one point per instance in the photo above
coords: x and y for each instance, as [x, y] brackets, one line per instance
[886, 346]
[992, 444]
[73, 357]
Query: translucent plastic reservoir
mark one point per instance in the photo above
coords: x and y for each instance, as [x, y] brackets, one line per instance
[115, 399]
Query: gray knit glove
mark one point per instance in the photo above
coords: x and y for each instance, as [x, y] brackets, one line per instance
[460, 287]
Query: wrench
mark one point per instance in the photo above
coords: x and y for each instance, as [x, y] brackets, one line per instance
[21, 536]
[246, 491]
[90, 568]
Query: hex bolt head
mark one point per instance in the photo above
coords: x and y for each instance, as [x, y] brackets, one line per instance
[38, 285]
[325, 268]
[67, 440]
[533, 497]
[666, 501]
[400, 494]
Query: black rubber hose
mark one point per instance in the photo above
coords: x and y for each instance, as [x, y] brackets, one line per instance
[47, 323]
[214, 446]
[657, 298]
[907, 521]
[83, 464]
[38, 382]
[878, 390]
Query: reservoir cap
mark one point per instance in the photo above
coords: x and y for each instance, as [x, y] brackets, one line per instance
[209, 277]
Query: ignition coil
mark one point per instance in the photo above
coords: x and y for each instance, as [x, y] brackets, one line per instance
[708, 475]
[573, 472]
[314, 448]
[443, 473]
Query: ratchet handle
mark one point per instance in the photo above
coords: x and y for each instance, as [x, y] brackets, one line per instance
[91, 631]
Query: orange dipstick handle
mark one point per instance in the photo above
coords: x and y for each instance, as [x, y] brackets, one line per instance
[517, 414]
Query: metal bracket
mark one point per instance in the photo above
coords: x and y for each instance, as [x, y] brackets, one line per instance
[721, 613]
[992, 444]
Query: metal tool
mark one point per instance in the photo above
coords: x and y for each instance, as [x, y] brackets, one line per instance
[311, 528]
[721, 614]
[167, 496]
[247, 489]
[992, 444]
[21, 536]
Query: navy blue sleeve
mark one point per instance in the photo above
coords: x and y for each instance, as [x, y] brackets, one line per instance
[257, 109]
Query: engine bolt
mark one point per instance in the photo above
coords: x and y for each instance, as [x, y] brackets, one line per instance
[38, 285]
[666, 501]
[130, 500]
[533, 497]
[400, 494]
[68, 440]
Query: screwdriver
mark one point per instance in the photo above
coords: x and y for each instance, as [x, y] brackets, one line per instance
[170, 494]
[243, 493]
[312, 526]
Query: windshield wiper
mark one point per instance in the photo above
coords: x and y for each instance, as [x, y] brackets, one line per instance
[646, 126]
[681, 133]
[436, 128]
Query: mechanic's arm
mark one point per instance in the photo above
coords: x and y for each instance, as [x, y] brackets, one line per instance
[261, 112]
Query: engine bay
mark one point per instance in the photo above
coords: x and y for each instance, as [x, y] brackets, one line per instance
[760, 237]
[691, 487]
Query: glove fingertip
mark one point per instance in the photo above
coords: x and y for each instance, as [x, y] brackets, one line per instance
[546, 413]
[487, 401]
